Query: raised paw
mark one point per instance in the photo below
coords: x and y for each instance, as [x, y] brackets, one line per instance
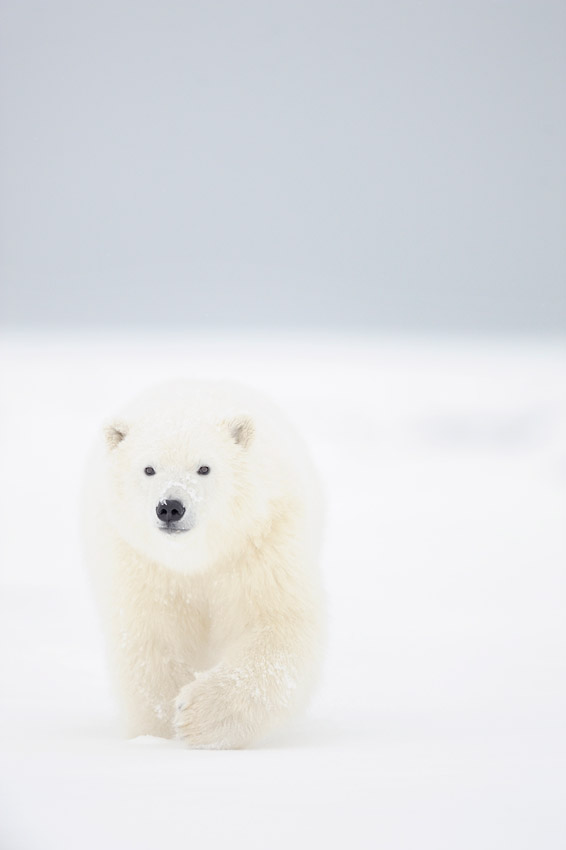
[207, 715]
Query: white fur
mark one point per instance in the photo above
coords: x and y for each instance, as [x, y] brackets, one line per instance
[214, 633]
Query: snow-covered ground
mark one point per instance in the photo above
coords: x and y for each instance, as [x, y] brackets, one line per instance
[440, 722]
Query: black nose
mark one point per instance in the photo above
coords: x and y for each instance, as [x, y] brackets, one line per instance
[170, 511]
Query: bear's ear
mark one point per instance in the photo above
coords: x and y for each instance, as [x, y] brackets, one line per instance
[242, 429]
[114, 432]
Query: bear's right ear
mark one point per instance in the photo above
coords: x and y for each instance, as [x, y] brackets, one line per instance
[114, 433]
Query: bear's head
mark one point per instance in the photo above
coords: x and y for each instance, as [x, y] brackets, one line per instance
[184, 484]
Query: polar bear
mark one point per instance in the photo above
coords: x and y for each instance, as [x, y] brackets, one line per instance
[202, 521]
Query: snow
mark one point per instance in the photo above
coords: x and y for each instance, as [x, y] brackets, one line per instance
[440, 720]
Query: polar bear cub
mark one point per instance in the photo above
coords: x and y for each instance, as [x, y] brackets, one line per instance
[202, 528]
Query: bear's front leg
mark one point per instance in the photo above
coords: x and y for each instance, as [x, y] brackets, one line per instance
[243, 697]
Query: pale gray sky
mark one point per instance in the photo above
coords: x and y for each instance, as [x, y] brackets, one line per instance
[283, 164]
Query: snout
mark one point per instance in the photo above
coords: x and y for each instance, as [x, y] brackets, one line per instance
[170, 511]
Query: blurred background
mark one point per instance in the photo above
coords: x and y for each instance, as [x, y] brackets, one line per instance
[359, 208]
[363, 165]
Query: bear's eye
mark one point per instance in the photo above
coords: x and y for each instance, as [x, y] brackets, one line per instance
[203, 470]
[149, 470]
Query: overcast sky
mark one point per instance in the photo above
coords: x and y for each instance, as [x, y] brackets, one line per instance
[373, 165]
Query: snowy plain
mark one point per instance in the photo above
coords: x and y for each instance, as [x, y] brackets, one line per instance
[440, 721]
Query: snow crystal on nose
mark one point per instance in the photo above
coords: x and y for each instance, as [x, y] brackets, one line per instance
[173, 488]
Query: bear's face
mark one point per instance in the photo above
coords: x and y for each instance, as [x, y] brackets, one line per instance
[180, 492]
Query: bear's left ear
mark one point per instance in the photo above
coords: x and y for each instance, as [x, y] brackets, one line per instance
[114, 432]
[242, 429]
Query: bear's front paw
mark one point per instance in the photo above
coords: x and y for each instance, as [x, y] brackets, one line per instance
[207, 716]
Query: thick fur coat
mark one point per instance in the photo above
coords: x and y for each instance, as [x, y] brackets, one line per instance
[202, 529]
